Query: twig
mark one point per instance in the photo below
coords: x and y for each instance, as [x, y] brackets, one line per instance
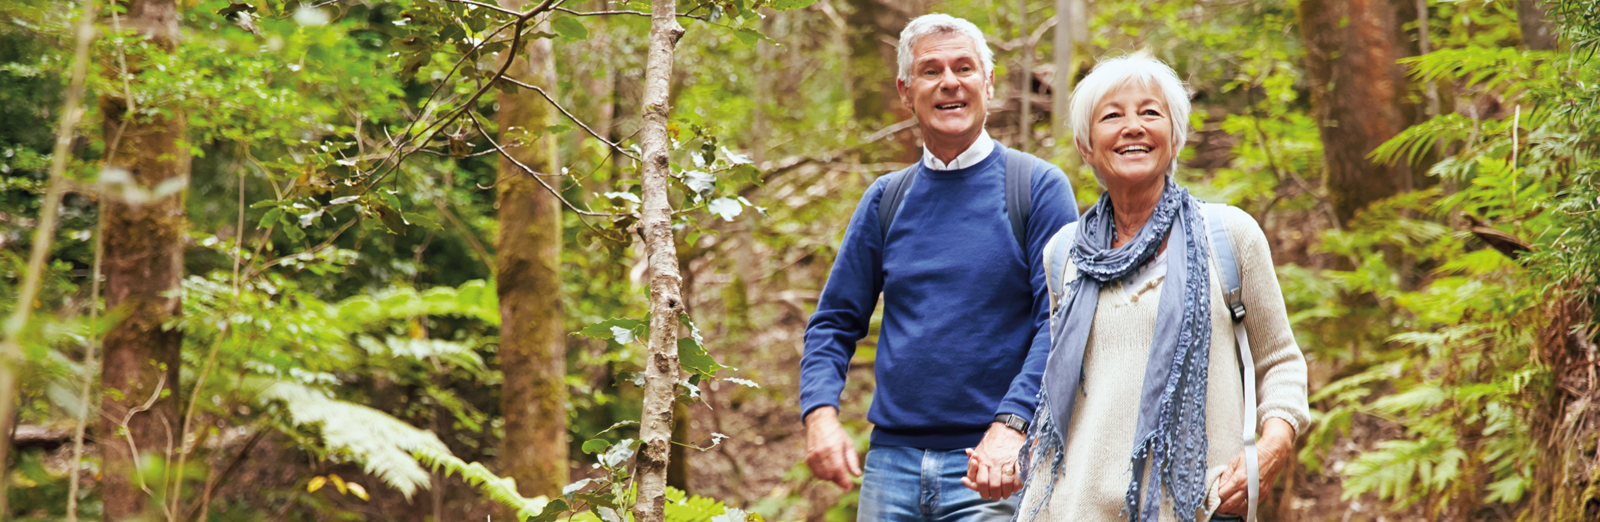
[609, 13]
[534, 174]
[569, 116]
[254, 271]
[133, 448]
[516, 43]
[88, 374]
[10, 346]
[205, 498]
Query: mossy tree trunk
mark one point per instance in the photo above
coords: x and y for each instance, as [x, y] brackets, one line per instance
[666, 285]
[875, 26]
[528, 280]
[144, 270]
[1358, 94]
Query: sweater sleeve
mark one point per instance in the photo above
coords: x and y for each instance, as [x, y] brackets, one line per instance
[1054, 206]
[844, 310]
[1280, 366]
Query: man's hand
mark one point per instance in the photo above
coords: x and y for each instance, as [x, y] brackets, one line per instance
[1273, 452]
[992, 466]
[829, 451]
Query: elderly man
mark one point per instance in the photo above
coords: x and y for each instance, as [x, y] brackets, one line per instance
[953, 243]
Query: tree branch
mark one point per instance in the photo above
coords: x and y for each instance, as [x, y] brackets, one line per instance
[569, 115]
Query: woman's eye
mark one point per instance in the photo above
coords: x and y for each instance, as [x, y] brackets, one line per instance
[1110, 115]
[1151, 112]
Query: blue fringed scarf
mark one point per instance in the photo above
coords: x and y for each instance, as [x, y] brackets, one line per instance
[1171, 433]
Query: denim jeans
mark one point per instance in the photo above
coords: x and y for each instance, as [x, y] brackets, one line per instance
[903, 484]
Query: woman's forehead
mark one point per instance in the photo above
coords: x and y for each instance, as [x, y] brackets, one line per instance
[1133, 91]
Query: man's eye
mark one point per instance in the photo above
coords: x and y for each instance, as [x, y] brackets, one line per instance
[930, 72]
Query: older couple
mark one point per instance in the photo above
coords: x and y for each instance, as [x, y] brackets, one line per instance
[1105, 352]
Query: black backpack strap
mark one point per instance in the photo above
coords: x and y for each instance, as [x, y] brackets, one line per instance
[1019, 194]
[893, 195]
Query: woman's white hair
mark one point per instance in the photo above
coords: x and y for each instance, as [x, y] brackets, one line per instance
[1113, 74]
[932, 24]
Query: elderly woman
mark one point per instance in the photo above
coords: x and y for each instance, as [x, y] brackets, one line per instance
[1142, 296]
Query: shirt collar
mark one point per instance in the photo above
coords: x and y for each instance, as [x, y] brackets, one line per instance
[979, 150]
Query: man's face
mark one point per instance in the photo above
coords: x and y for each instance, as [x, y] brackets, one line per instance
[948, 91]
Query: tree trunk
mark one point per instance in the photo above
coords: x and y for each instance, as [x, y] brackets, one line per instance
[144, 271]
[528, 282]
[1359, 95]
[1537, 31]
[666, 303]
[875, 27]
[1071, 40]
[1024, 82]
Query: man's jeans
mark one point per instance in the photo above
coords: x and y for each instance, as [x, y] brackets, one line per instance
[903, 484]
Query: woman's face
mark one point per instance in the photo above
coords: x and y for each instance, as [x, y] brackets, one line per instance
[1130, 137]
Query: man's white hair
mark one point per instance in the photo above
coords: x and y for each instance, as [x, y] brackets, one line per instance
[932, 24]
[1115, 73]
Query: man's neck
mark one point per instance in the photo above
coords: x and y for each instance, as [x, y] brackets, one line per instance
[946, 151]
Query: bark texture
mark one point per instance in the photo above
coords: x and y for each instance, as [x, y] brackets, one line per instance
[1359, 94]
[666, 285]
[144, 270]
[1071, 40]
[528, 282]
[874, 27]
[1537, 31]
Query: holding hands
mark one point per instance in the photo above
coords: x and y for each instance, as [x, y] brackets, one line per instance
[992, 466]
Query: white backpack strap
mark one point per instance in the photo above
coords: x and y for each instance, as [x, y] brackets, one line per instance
[1223, 252]
[1059, 270]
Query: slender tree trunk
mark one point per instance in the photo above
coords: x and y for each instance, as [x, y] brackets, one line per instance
[528, 282]
[1024, 82]
[875, 27]
[1071, 39]
[666, 302]
[1359, 94]
[144, 271]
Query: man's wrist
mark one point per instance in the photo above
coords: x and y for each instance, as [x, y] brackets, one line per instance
[1012, 421]
[823, 414]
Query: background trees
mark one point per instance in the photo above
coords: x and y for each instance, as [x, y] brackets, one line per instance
[355, 248]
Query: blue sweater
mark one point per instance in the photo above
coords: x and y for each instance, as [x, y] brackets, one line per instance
[965, 329]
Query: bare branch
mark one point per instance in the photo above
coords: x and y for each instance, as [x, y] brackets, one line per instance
[609, 13]
[569, 116]
[534, 174]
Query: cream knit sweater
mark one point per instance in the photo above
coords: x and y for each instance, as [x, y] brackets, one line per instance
[1096, 470]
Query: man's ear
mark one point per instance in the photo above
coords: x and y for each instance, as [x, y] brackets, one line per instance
[905, 99]
[991, 84]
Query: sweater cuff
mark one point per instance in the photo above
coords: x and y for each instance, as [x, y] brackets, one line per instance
[1295, 421]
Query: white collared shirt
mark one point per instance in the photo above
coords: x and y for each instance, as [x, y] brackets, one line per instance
[977, 152]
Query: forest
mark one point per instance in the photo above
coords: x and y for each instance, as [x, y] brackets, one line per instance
[429, 260]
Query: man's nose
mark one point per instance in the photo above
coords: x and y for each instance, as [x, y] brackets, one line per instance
[949, 81]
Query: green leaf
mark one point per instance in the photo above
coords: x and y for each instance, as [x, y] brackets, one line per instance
[748, 37]
[552, 511]
[593, 446]
[692, 357]
[271, 218]
[570, 28]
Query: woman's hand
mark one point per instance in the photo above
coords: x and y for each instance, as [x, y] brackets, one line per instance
[1274, 452]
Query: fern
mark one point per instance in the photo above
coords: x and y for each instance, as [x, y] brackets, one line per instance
[382, 444]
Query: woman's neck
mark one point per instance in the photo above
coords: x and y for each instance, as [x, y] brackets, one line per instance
[1132, 207]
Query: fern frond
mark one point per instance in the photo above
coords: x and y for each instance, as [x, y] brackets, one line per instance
[383, 444]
